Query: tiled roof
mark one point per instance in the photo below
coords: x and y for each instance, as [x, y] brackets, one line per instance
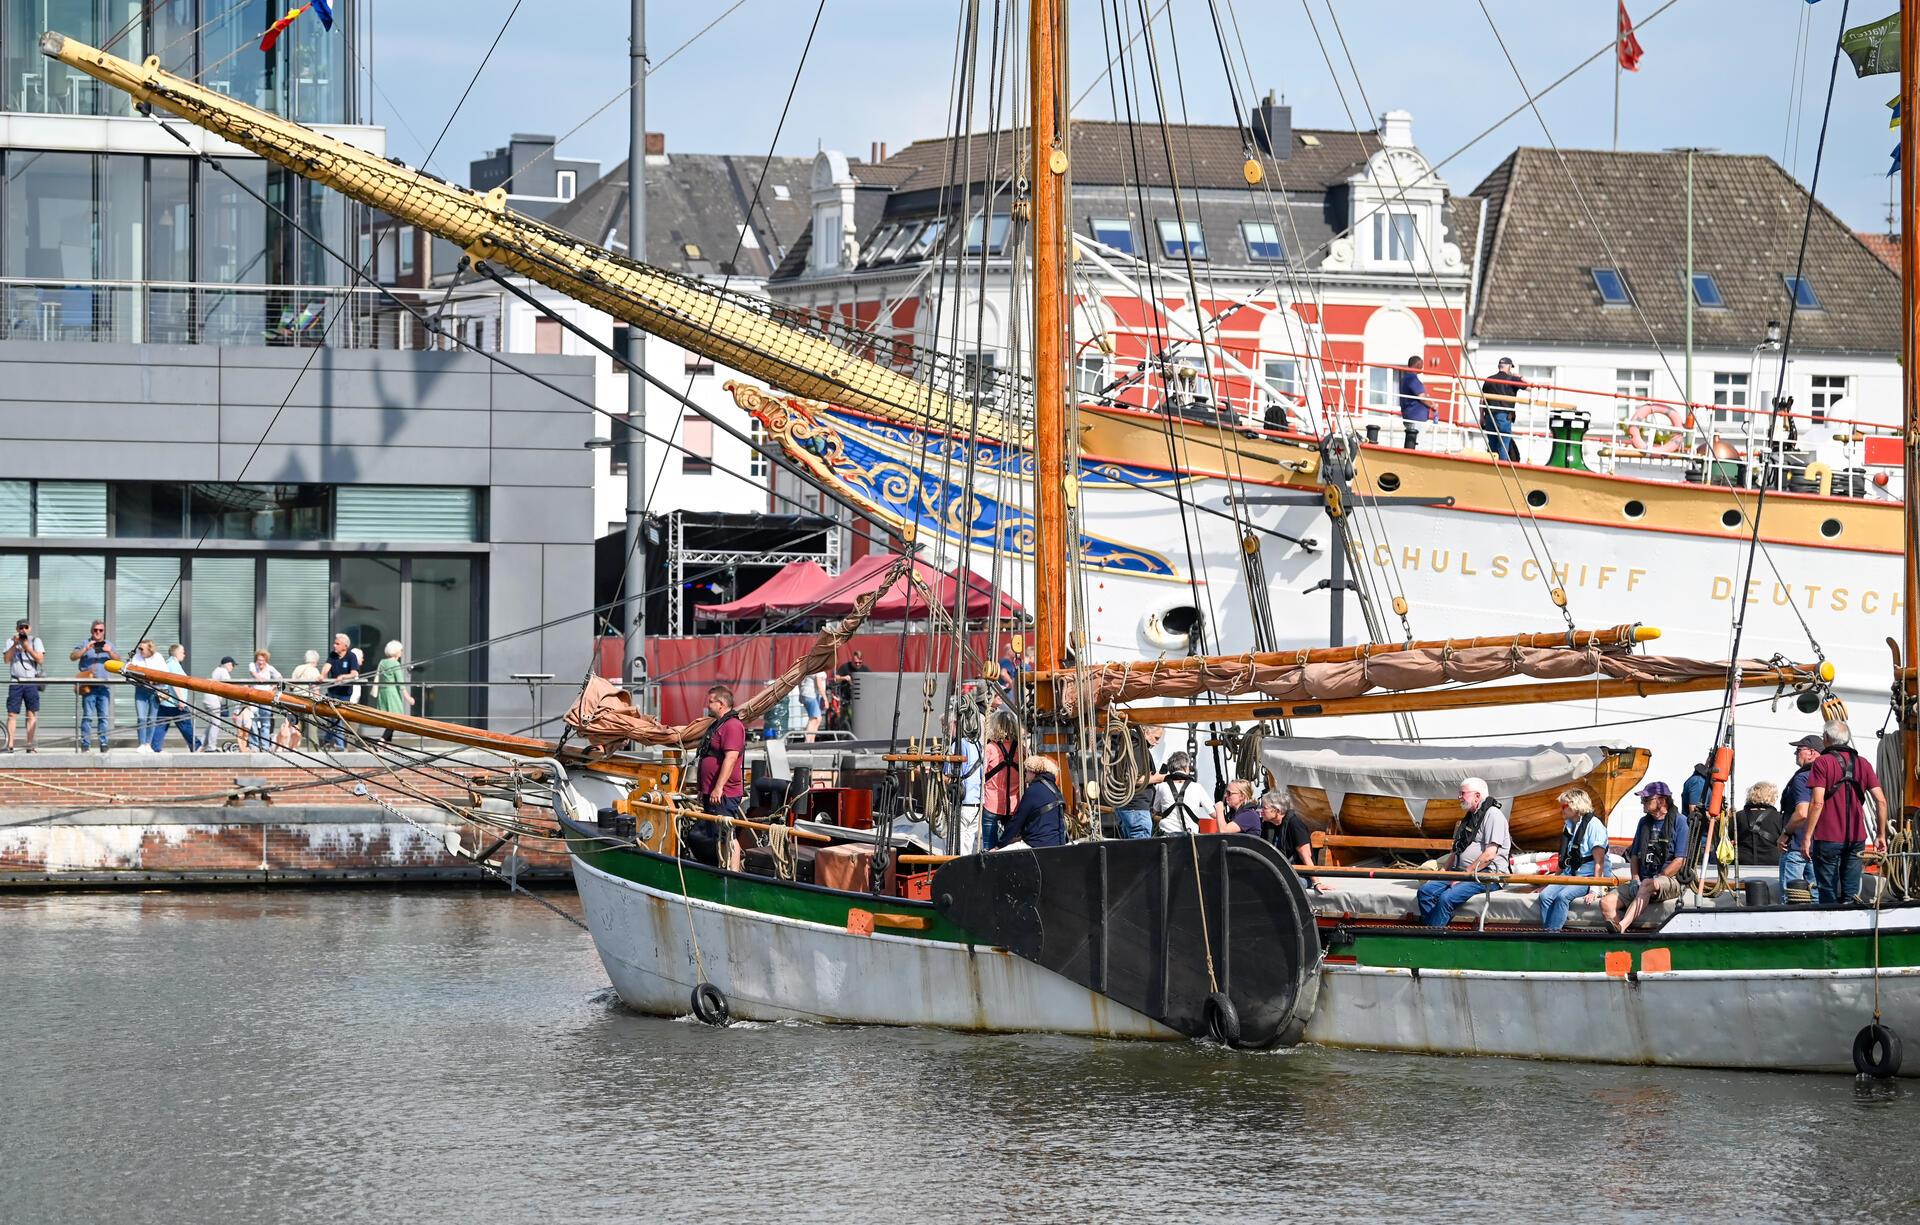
[700, 199]
[1542, 244]
[1106, 153]
[1886, 246]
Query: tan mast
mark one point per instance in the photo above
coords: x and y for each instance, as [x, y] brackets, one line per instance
[1910, 395]
[1049, 170]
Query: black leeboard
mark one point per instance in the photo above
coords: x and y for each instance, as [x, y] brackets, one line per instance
[1124, 918]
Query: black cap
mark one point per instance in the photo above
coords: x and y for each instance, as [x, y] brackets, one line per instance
[226, 659]
[1506, 361]
[1810, 741]
[22, 623]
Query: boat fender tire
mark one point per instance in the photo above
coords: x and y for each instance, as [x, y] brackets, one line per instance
[1876, 1052]
[1223, 1020]
[710, 1005]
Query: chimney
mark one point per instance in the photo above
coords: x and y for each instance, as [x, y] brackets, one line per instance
[1273, 128]
[1396, 130]
[656, 144]
[877, 152]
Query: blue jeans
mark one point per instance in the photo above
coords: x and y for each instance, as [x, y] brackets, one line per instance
[1555, 899]
[172, 716]
[989, 830]
[1836, 871]
[1500, 442]
[333, 734]
[1134, 822]
[1794, 866]
[146, 710]
[1438, 898]
[96, 710]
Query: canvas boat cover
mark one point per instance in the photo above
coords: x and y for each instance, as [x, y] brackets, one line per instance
[1418, 772]
[795, 585]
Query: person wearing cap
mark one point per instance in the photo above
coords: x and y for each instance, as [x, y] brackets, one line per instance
[26, 660]
[1040, 819]
[1796, 801]
[1482, 842]
[1842, 781]
[1656, 860]
[217, 705]
[1499, 396]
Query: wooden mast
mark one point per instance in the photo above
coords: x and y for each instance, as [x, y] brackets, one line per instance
[1048, 168]
[1909, 395]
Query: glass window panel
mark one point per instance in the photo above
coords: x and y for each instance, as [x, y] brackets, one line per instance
[443, 591]
[401, 512]
[1706, 292]
[929, 236]
[49, 216]
[259, 512]
[13, 592]
[169, 312]
[73, 592]
[173, 23]
[150, 510]
[1802, 290]
[70, 508]
[233, 251]
[1115, 232]
[1263, 240]
[231, 39]
[35, 83]
[1182, 240]
[995, 229]
[16, 508]
[123, 191]
[146, 605]
[222, 607]
[298, 600]
[1612, 287]
[369, 604]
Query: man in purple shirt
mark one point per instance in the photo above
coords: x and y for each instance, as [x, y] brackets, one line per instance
[721, 775]
[1842, 781]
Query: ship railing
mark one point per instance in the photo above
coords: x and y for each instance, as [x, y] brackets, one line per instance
[242, 316]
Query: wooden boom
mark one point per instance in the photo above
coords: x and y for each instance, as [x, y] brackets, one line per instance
[676, 308]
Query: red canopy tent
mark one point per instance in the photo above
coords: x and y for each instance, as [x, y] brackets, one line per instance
[795, 585]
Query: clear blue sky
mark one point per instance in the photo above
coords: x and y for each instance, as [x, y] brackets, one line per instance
[1717, 74]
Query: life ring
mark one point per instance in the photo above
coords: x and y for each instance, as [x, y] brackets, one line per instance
[1223, 1019]
[710, 1005]
[1876, 1052]
[1655, 412]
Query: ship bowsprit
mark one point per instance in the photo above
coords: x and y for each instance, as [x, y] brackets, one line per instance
[1157, 924]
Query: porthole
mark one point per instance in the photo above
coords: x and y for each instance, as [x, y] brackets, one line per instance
[1388, 482]
[1731, 518]
[1634, 508]
[1831, 528]
[1536, 498]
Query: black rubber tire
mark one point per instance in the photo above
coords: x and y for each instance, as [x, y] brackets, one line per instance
[1223, 1019]
[710, 1005]
[1876, 1052]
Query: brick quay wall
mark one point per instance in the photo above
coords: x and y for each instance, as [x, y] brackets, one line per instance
[127, 820]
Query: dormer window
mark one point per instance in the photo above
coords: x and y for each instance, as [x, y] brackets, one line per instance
[1612, 287]
[1396, 236]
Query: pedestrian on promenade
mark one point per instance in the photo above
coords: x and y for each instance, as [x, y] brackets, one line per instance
[306, 674]
[174, 709]
[26, 661]
[1842, 781]
[1796, 801]
[96, 706]
[1482, 842]
[1414, 405]
[146, 699]
[259, 719]
[217, 705]
[390, 686]
[342, 669]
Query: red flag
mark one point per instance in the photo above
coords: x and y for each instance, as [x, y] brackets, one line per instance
[1628, 45]
[274, 31]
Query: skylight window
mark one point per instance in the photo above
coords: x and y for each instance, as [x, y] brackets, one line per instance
[1706, 293]
[1115, 232]
[1263, 240]
[1612, 287]
[929, 236]
[994, 229]
[1190, 245]
[1802, 290]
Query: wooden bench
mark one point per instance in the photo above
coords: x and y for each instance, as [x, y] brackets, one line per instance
[1343, 849]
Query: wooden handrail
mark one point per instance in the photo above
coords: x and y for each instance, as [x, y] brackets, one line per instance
[1508, 878]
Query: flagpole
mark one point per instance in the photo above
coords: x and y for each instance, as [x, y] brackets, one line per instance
[1616, 76]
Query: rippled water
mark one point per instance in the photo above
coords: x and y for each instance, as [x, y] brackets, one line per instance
[382, 1057]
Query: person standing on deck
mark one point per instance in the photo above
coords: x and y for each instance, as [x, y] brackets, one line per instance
[1133, 815]
[1842, 781]
[1796, 800]
[1000, 759]
[1180, 801]
[1499, 396]
[1583, 852]
[1040, 820]
[1655, 861]
[970, 772]
[722, 777]
[1414, 405]
[1481, 843]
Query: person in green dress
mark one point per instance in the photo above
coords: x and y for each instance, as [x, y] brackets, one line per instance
[390, 686]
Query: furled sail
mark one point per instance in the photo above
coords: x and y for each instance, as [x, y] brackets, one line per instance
[730, 329]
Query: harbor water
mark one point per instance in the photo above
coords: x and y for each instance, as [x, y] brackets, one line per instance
[359, 1056]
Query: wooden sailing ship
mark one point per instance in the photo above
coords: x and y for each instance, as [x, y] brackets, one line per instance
[1159, 949]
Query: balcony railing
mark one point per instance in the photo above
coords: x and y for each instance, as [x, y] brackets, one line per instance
[242, 316]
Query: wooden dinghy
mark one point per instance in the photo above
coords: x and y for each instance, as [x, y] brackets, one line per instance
[1373, 790]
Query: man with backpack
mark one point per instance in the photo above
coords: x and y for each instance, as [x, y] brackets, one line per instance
[1841, 780]
[1179, 800]
[721, 774]
[1657, 860]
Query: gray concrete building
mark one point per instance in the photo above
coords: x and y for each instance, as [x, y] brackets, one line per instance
[206, 434]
